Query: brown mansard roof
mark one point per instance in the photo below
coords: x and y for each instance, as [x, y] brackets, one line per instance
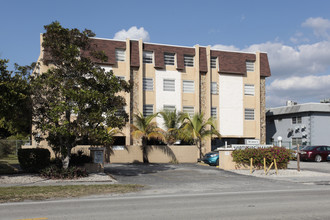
[229, 62]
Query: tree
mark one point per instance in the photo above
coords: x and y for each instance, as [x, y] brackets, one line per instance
[172, 124]
[15, 108]
[75, 99]
[197, 129]
[146, 129]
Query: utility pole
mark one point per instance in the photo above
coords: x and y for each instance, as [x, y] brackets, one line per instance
[298, 159]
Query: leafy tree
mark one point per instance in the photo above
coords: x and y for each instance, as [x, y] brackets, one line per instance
[75, 99]
[146, 129]
[15, 108]
[172, 124]
[197, 129]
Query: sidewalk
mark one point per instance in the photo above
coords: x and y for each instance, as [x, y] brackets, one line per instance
[310, 173]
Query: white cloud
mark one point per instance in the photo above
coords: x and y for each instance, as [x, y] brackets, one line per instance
[133, 33]
[301, 60]
[302, 89]
[320, 26]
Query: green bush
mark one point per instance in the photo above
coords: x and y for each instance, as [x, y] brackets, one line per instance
[281, 154]
[53, 172]
[33, 159]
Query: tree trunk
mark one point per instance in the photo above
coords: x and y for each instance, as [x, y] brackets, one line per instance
[65, 162]
[200, 149]
[145, 150]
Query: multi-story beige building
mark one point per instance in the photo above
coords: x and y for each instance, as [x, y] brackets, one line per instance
[227, 85]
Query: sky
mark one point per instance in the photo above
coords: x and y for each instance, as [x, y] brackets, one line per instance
[294, 33]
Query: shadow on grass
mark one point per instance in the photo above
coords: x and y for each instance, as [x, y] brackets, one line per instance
[6, 168]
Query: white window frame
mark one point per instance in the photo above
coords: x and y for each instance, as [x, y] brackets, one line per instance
[169, 85]
[214, 62]
[249, 114]
[189, 109]
[249, 89]
[148, 84]
[169, 59]
[214, 88]
[188, 86]
[296, 141]
[148, 109]
[188, 60]
[250, 66]
[120, 55]
[121, 77]
[148, 57]
[214, 112]
[296, 120]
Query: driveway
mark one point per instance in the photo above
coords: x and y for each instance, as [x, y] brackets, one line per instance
[191, 178]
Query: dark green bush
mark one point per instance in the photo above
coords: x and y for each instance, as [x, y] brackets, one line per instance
[33, 159]
[79, 159]
[281, 154]
[53, 172]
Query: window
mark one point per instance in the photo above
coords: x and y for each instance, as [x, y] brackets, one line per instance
[296, 141]
[214, 88]
[121, 77]
[148, 57]
[188, 86]
[188, 109]
[188, 60]
[250, 66]
[296, 120]
[214, 112]
[148, 84]
[249, 114]
[249, 89]
[214, 62]
[120, 112]
[169, 58]
[120, 55]
[170, 108]
[169, 85]
[148, 110]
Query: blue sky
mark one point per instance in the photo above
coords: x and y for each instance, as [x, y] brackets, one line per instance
[295, 33]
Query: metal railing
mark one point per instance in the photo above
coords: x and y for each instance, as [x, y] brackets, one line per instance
[12, 146]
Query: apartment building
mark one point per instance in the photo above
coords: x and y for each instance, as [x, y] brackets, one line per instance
[303, 124]
[227, 85]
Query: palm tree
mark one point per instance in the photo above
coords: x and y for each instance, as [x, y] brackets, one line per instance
[146, 129]
[172, 123]
[197, 129]
[111, 133]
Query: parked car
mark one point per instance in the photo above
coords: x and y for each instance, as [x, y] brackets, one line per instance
[295, 151]
[315, 153]
[211, 158]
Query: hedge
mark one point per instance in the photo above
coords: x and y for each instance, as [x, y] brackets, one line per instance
[281, 154]
[33, 159]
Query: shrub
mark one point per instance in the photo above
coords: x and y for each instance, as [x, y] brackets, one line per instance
[53, 172]
[79, 159]
[33, 159]
[281, 154]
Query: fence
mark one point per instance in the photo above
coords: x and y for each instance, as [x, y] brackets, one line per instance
[11, 146]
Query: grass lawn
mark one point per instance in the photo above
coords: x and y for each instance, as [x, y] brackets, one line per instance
[21, 193]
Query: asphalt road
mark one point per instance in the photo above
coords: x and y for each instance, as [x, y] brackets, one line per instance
[186, 191]
[278, 204]
[189, 178]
